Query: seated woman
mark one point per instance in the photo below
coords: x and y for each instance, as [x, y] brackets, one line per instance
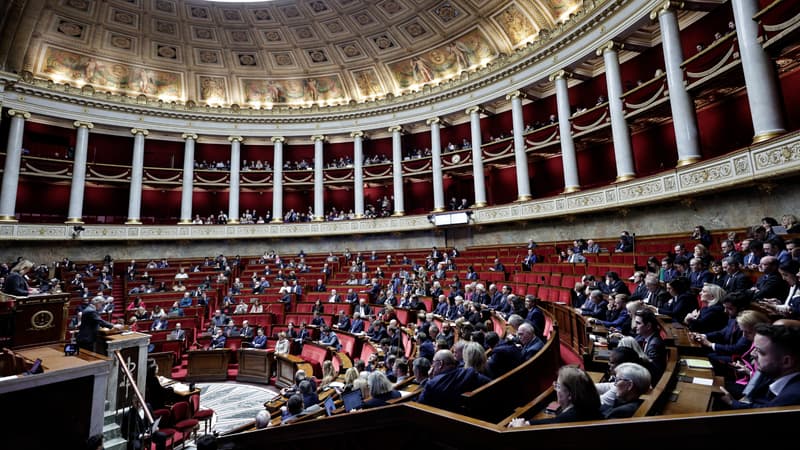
[283, 345]
[381, 390]
[257, 308]
[711, 316]
[576, 396]
[328, 374]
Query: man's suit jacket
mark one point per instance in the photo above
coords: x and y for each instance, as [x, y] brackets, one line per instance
[364, 310]
[729, 340]
[445, 389]
[177, 335]
[15, 284]
[336, 298]
[771, 285]
[762, 397]
[247, 333]
[736, 282]
[532, 348]
[90, 324]
[656, 350]
[260, 342]
[639, 292]
[357, 326]
[505, 356]
[678, 307]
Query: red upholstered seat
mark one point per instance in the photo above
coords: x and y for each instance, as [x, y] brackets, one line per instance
[202, 415]
[183, 420]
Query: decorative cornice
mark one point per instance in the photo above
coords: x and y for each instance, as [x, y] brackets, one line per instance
[475, 109]
[433, 120]
[80, 123]
[142, 131]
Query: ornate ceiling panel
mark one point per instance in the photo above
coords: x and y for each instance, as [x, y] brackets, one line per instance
[297, 52]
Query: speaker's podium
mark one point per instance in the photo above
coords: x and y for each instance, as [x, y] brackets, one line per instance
[132, 346]
[38, 319]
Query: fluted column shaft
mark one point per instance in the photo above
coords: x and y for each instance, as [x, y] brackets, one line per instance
[319, 186]
[358, 173]
[233, 193]
[436, 165]
[397, 170]
[684, 118]
[623, 152]
[478, 180]
[277, 180]
[520, 157]
[569, 159]
[188, 177]
[75, 214]
[8, 192]
[763, 94]
[137, 171]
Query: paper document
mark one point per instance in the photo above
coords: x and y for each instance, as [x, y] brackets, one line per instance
[698, 363]
[703, 381]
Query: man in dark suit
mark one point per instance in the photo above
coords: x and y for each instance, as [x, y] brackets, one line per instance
[640, 291]
[344, 322]
[498, 266]
[729, 251]
[363, 308]
[531, 344]
[504, 357]
[246, 333]
[778, 358]
[771, 284]
[730, 340]
[735, 280]
[178, 334]
[448, 382]
[648, 333]
[357, 325]
[90, 324]
[260, 341]
[219, 340]
[656, 295]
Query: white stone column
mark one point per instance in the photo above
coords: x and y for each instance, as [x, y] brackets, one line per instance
[569, 161]
[277, 180]
[75, 214]
[478, 179]
[137, 170]
[8, 192]
[397, 170]
[623, 151]
[236, 163]
[763, 93]
[188, 177]
[319, 182]
[436, 165]
[520, 157]
[684, 118]
[358, 173]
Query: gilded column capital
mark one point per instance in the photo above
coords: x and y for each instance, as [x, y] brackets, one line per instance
[396, 128]
[516, 94]
[609, 46]
[475, 109]
[80, 123]
[233, 139]
[15, 112]
[433, 120]
[665, 7]
[559, 74]
[186, 136]
[317, 137]
[357, 134]
[278, 139]
[142, 131]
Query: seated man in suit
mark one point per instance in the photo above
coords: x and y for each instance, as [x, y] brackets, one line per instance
[735, 279]
[648, 332]
[531, 344]
[630, 382]
[344, 322]
[329, 338]
[320, 286]
[178, 334]
[260, 341]
[317, 320]
[357, 325]
[730, 340]
[448, 382]
[334, 297]
[158, 324]
[505, 355]
[777, 349]
[770, 284]
[246, 333]
[219, 340]
[498, 266]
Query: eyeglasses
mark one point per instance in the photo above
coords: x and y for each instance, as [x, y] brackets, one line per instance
[620, 379]
[556, 385]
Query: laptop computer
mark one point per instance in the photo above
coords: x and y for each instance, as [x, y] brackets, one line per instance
[330, 406]
[352, 400]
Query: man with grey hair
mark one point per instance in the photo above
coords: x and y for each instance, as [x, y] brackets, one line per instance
[630, 381]
[262, 420]
[531, 344]
[448, 382]
[595, 306]
[90, 325]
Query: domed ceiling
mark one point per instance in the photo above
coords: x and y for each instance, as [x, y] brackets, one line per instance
[259, 54]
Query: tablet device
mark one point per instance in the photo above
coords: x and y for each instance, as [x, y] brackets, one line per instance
[352, 400]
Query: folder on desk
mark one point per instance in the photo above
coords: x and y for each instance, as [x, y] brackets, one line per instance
[697, 363]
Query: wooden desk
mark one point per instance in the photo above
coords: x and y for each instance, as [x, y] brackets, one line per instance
[255, 365]
[34, 320]
[208, 365]
[287, 366]
[688, 397]
[678, 335]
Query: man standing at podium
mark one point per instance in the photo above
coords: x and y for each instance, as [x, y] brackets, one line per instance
[90, 324]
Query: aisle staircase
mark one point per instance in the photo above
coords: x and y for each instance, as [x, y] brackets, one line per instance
[112, 433]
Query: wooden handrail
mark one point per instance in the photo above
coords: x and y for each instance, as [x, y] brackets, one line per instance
[766, 9]
[728, 36]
